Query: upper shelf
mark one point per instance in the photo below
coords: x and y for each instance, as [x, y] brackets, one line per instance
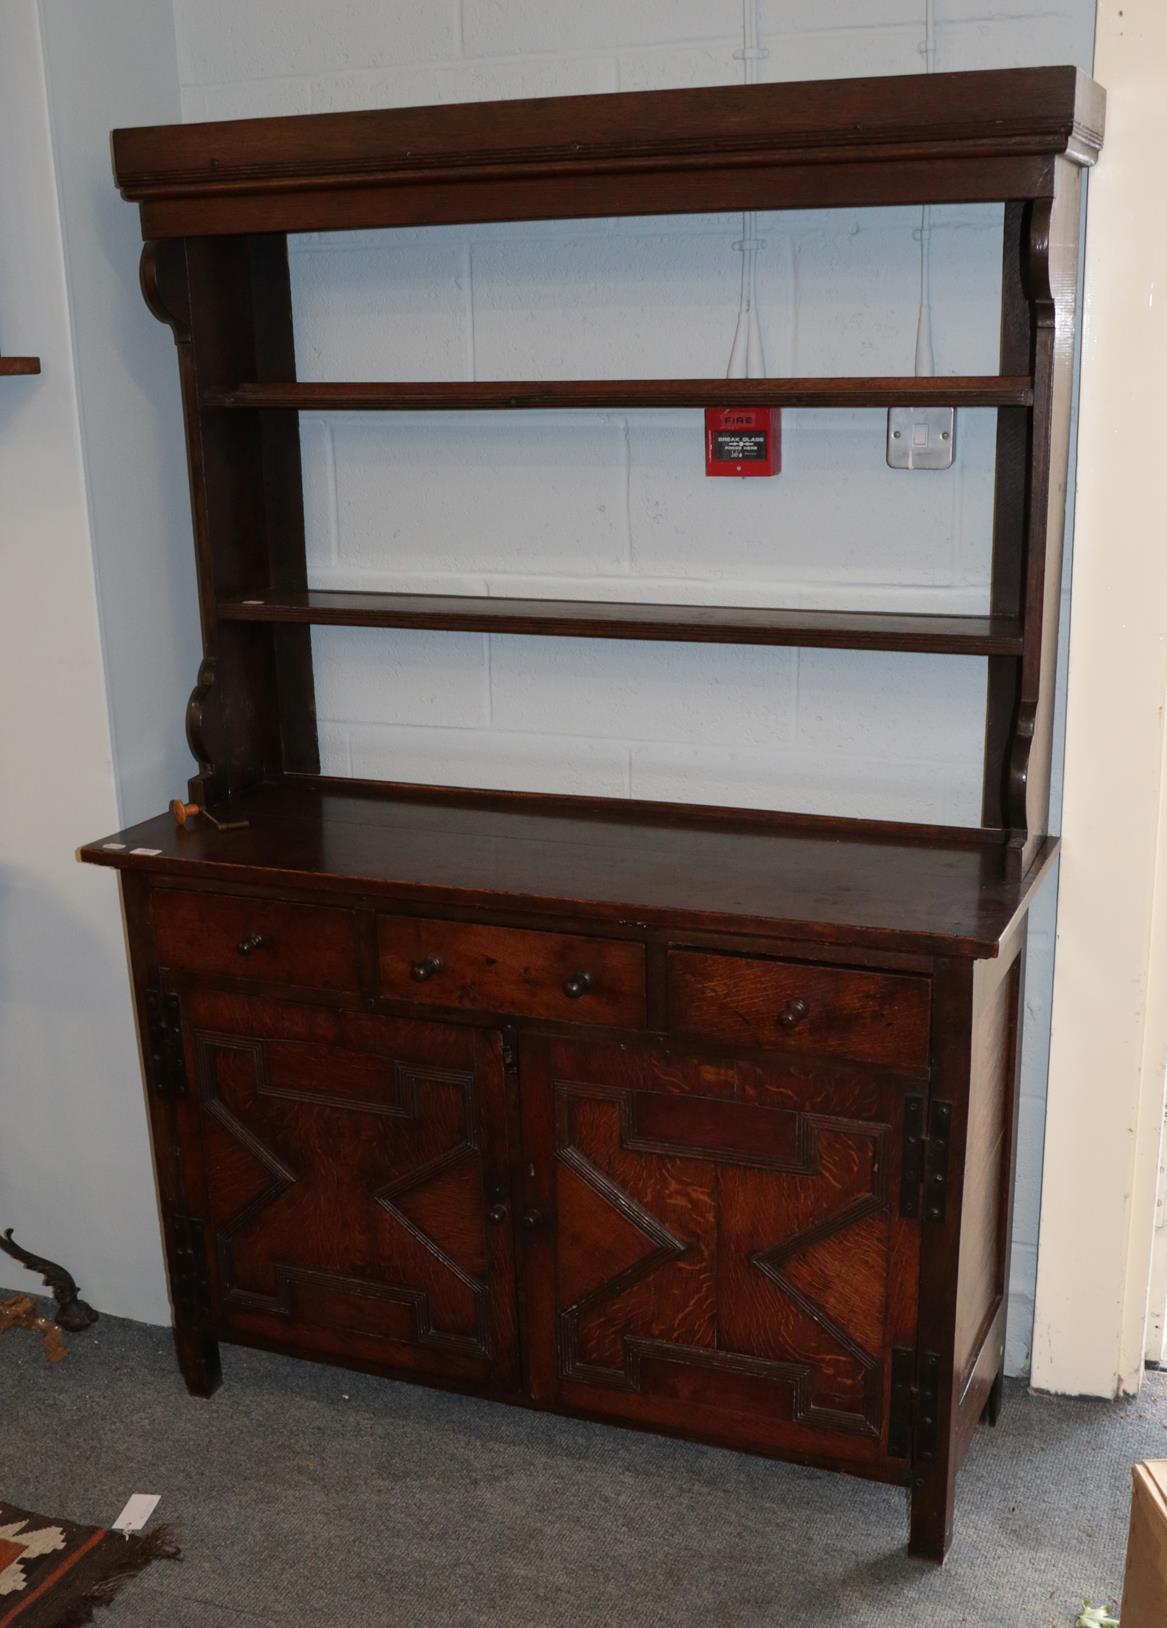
[599, 619]
[913, 138]
[989, 391]
[19, 364]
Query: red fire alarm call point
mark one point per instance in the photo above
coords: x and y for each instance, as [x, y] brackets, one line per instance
[743, 441]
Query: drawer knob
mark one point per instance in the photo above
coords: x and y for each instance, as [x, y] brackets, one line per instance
[249, 945]
[792, 1014]
[578, 984]
[428, 967]
[498, 1213]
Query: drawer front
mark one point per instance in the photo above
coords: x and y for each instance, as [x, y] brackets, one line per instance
[299, 944]
[508, 969]
[873, 1017]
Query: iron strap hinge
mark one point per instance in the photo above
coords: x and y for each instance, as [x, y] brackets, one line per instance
[167, 1059]
[912, 1427]
[190, 1282]
[924, 1165]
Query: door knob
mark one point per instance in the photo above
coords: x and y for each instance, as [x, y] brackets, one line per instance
[578, 984]
[792, 1014]
[498, 1212]
[422, 971]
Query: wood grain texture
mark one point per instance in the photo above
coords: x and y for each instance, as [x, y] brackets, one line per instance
[988, 1166]
[933, 1503]
[602, 619]
[347, 1165]
[262, 939]
[709, 1253]
[871, 1017]
[891, 139]
[499, 395]
[507, 970]
[602, 860]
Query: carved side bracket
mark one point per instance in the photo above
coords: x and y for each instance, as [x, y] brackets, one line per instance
[162, 276]
[1018, 775]
[1035, 269]
[203, 716]
[1038, 280]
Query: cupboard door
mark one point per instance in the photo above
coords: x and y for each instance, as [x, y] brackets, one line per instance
[716, 1247]
[353, 1174]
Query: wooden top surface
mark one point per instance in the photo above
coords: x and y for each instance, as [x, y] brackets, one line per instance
[777, 876]
[623, 153]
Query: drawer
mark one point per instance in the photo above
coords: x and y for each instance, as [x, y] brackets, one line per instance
[508, 969]
[873, 1017]
[302, 944]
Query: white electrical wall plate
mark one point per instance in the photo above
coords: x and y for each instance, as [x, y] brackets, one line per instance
[921, 437]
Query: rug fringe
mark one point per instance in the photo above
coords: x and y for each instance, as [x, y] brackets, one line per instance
[139, 1552]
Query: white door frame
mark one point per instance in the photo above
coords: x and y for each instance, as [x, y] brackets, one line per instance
[1109, 1040]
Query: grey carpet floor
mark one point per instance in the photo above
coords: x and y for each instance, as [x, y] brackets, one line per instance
[309, 1497]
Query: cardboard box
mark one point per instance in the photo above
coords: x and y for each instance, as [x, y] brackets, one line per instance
[1144, 1594]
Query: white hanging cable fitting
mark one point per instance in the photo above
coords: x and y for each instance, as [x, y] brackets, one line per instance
[925, 362]
[923, 438]
[747, 358]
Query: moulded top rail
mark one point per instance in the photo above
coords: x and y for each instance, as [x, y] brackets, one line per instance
[983, 136]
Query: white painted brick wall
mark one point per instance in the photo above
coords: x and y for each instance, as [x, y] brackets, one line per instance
[617, 505]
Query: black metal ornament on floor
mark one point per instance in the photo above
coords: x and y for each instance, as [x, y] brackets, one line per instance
[73, 1313]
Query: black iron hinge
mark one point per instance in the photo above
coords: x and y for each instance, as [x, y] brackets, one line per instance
[190, 1282]
[924, 1166]
[167, 1061]
[912, 1428]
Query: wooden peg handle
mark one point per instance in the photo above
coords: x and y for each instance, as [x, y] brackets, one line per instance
[184, 812]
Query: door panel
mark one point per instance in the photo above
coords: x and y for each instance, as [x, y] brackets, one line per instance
[720, 1251]
[347, 1166]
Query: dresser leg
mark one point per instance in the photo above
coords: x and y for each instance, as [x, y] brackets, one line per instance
[932, 1500]
[198, 1361]
[992, 1410]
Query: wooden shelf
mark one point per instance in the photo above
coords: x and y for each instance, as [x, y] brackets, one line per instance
[502, 394]
[11, 365]
[591, 619]
[913, 889]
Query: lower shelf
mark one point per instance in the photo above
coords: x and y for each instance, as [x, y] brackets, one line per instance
[915, 889]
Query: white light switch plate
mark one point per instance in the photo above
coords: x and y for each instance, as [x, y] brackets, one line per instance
[921, 437]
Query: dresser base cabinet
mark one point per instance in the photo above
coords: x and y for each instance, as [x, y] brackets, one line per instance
[748, 1193]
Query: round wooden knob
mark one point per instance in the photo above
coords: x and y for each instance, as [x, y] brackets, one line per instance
[183, 812]
[792, 1014]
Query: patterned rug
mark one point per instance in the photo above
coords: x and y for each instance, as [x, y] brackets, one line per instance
[54, 1574]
